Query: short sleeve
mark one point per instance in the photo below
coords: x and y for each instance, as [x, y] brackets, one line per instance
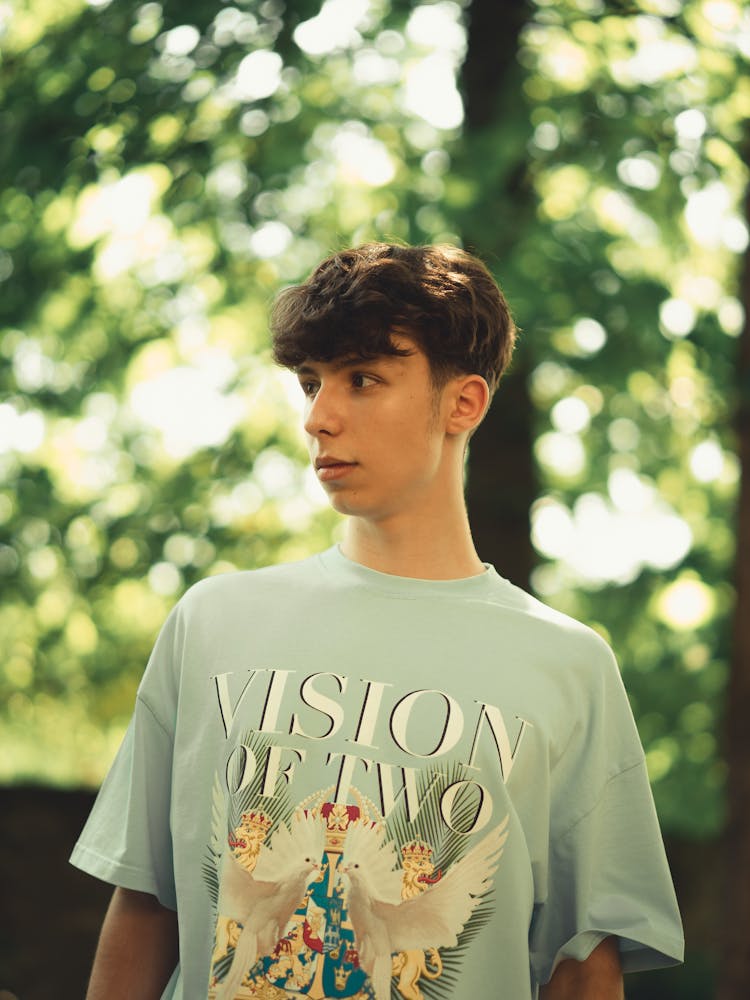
[127, 839]
[608, 875]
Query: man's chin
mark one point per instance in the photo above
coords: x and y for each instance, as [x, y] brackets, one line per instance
[346, 502]
[343, 505]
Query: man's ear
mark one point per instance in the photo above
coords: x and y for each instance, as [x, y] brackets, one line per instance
[469, 398]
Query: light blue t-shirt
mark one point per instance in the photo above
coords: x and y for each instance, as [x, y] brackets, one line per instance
[346, 781]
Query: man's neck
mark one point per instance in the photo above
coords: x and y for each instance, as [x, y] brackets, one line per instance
[425, 551]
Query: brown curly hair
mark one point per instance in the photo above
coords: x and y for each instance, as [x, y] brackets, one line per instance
[441, 297]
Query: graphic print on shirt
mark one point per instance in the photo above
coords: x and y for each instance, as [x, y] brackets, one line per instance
[330, 899]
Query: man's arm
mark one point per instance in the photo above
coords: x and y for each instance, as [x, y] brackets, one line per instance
[137, 951]
[598, 978]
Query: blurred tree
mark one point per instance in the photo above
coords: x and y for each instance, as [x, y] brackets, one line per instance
[492, 156]
[734, 977]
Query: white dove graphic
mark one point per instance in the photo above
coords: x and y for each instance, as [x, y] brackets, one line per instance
[264, 901]
[384, 924]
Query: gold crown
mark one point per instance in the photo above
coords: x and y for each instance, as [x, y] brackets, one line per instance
[337, 818]
[417, 849]
[256, 821]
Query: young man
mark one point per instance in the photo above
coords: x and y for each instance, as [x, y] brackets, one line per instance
[385, 769]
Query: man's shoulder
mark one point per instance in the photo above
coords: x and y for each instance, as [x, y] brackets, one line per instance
[241, 585]
[551, 628]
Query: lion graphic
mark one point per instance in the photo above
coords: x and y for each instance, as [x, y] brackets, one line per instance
[410, 966]
[245, 842]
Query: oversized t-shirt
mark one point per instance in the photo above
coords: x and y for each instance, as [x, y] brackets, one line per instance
[347, 782]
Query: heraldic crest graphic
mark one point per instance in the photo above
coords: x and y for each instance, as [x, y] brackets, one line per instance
[328, 900]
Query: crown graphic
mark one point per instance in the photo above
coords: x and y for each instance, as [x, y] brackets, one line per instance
[337, 818]
[256, 821]
[416, 850]
[341, 975]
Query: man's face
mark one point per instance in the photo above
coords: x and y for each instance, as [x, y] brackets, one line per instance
[374, 432]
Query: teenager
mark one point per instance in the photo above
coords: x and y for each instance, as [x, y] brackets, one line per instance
[383, 770]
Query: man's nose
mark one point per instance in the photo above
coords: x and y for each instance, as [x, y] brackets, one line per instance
[323, 415]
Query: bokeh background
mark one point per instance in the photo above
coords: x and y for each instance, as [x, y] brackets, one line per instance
[166, 167]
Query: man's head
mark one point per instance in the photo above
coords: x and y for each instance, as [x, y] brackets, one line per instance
[440, 297]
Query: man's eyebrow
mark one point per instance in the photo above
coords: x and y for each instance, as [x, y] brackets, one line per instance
[348, 361]
[304, 369]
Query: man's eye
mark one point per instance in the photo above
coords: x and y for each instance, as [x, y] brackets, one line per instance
[362, 381]
[309, 388]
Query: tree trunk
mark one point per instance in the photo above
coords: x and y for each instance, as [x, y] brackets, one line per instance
[501, 484]
[734, 974]
[502, 481]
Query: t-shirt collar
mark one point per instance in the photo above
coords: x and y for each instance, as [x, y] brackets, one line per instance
[336, 562]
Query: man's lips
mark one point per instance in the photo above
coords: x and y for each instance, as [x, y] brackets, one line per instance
[329, 467]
